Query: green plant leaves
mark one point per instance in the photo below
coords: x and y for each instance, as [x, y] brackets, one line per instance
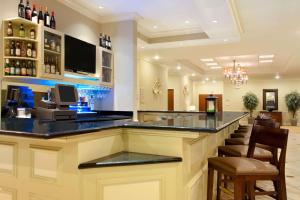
[292, 101]
[250, 101]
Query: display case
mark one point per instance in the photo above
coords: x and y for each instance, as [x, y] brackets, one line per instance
[52, 59]
[107, 67]
[21, 39]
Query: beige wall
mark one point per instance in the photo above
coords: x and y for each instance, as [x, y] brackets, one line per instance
[148, 74]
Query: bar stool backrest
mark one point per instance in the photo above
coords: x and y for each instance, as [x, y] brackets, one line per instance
[273, 137]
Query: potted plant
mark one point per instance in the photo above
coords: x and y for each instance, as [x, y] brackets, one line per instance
[250, 101]
[292, 101]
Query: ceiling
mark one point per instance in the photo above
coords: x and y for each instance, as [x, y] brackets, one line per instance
[182, 32]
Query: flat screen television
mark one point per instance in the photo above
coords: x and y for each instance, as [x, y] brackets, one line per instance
[80, 56]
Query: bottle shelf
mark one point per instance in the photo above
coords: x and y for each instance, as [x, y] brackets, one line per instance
[21, 38]
[8, 76]
[19, 58]
[52, 52]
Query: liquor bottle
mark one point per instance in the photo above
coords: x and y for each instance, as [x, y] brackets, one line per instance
[22, 31]
[7, 67]
[12, 49]
[34, 15]
[27, 11]
[52, 21]
[23, 69]
[47, 66]
[21, 9]
[10, 30]
[18, 49]
[52, 67]
[32, 34]
[23, 50]
[7, 48]
[12, 70]
[46, 18]
[18, 68]
[109, 43]
[46, 43]
[29, 51]
[101, 40]
[41, 16]
[29, 68]
[105, 42]
[56, 66]
[33, 51]
[33, 69]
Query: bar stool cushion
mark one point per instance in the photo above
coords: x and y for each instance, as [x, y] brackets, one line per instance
[241, 151]
[243, 166]
[240, 135]
[237, 141]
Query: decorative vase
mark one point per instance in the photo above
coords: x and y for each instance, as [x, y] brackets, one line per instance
[251, 120]
[294, 122]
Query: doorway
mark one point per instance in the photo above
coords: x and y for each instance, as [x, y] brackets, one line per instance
[170, 99]
[202, 102]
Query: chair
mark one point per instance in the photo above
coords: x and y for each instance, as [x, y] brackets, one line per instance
[248, 170]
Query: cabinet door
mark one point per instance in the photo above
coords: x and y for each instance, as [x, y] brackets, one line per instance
[107, 67]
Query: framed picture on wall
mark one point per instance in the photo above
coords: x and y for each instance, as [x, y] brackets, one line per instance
[270, 99]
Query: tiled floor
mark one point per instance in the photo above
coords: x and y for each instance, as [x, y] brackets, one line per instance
[292, 168]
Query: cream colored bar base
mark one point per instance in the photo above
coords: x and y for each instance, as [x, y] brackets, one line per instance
[37, 169]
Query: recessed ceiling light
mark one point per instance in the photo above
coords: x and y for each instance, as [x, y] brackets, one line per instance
[266, 61]
[187, 21]
[214, 21]
[225, 40]
[215, 67]
[207, 60]
[193, 74]
[212, 64]
[214, 81]
[178, 67]
[155, 27]
[277, 76]
[157, 57]
[142, 47]
[207, 79]
[203, 82]
[266, 56]
[100, 7]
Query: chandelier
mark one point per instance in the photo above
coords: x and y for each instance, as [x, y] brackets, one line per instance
[236, 74]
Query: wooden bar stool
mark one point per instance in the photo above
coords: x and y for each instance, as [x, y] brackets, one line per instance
[246, 171]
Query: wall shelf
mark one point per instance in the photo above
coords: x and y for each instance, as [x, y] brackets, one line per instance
[19, 58]
[20, 38]
[52, 52]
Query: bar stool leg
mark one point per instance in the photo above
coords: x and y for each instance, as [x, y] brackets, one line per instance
[251, 190]
[239, 188]
[219, 179]
[210, 183]
[282, 188]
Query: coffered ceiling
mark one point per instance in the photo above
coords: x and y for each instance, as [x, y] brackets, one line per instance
[182, 32]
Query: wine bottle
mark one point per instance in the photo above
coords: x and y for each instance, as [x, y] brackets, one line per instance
[29, 51]
[34, 15]
[33, 51]
[23, 49]
[27, 11]
[100, 40]
[29, 68]
[7, 68]
[52, 21]
[23, 69]
[109, 43]
[12, 70]
[46, 18]
[22, 31]
[52, 67]
[18, 49]
[7, 48]
[41, 16]
[33, 69]
[18, 68]
[12, 49]
[21, 9]
[106, 41]
[10, 30]
[32, 34]
[47, 66]
[56, 66]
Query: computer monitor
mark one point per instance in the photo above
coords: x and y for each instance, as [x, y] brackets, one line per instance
[65, 95]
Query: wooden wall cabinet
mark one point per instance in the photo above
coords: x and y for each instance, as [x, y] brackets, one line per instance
[106, 67]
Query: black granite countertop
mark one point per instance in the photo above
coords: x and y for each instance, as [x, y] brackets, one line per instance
[125, 158]
[169, 121]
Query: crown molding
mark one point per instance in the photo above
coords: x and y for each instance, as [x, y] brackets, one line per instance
[236, 15]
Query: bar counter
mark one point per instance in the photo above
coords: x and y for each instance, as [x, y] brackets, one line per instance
[161, 157]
